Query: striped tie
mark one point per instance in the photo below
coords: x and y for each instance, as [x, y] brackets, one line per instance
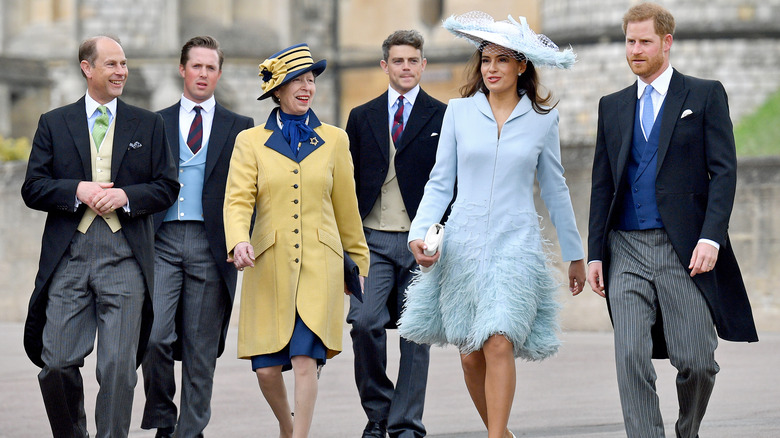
[100, 127]
[195, 137]
[398, 121]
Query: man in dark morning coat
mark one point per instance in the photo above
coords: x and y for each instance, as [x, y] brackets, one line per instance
[664, 178]
[390, 176]
[195, 284]
[100, 168]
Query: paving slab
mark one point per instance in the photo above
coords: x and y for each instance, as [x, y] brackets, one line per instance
[571, 395]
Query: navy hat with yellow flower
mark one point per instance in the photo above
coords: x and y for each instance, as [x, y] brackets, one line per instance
[284, 66]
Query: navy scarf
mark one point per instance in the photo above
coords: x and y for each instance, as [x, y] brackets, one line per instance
[295, 129]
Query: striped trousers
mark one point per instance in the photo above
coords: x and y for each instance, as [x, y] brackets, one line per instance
[647, 278]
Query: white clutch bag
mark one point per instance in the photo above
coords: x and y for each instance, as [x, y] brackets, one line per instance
[433, 240]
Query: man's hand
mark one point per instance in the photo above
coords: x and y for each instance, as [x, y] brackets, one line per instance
[109, 200]
[703, 259]
[89, 192]
[596, 278]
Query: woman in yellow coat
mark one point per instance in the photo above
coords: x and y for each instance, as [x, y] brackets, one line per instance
[297, 174]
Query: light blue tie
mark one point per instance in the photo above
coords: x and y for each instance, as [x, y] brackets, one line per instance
[647, 111]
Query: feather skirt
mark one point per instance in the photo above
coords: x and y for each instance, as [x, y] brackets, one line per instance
[503, 286]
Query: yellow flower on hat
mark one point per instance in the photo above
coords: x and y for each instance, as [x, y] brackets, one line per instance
[273, 71]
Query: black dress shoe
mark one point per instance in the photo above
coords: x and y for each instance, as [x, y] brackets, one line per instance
[164, 432]
[375, 430]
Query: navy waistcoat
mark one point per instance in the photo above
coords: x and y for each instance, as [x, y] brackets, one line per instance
[639, 210]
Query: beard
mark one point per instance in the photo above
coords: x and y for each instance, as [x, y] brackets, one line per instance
[647, 68]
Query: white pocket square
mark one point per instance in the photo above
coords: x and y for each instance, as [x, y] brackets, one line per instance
[134, 145]
[434, 134]
[686, 113]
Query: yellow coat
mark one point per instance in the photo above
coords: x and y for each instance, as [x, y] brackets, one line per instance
[307, 215]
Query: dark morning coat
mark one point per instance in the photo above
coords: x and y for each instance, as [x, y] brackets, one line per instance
[59, 160]
[414, 156]
[369, 142]
[695, 185]
[224, 129]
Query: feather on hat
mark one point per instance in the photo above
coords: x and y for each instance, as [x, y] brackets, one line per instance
[479, 27]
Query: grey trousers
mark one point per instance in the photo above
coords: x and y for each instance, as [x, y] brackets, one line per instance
[400, 408]
[190, 300]
[97, 287]
[646, 277]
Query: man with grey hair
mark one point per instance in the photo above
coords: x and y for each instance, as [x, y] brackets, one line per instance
[99, 168]
[393, 140]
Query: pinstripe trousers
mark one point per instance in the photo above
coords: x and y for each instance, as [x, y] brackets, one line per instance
[646, 277]
[97, 287]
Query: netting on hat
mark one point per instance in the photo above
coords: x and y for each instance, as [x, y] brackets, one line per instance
[479, 28]
[488, 48]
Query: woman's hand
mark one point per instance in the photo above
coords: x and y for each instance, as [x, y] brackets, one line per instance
[576, 276]
[417, 247]
[243, 256]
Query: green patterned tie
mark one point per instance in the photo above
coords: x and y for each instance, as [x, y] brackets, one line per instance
[100, 127]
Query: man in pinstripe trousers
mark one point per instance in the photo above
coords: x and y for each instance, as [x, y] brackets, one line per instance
[99, 168]
[664, 177]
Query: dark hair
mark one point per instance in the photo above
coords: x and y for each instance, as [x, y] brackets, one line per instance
[663, 20]
[527, 83]
[88, 49]
[206, 42]
[402, 38]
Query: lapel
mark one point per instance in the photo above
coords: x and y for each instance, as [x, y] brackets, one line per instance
[220, 130]
[626, 106]
[170, 116]
[76, 120]
[417, 119]
[377, 121]
[675, 98]
[277, 142]
[125, 124]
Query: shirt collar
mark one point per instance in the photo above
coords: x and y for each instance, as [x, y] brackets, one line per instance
[207, 105]
[660, 84]
[410, 96]
[92, 105]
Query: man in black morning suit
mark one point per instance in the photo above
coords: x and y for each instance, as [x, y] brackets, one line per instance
[664, 178]
[100, 168]
[195, 284]
[393, 140]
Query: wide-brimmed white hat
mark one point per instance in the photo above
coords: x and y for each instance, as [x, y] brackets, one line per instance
[479, 28]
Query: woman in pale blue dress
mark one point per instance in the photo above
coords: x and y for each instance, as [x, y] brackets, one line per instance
[491, 291]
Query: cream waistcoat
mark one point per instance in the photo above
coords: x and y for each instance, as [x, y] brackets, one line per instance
[101, 172]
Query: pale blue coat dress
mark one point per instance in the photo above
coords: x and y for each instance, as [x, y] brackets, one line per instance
[493, 276]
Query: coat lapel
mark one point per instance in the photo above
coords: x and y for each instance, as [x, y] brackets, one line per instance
[220, 129]
[377, 121]
[170, 116]
[625, 122]
[79, 130]
[675, 98]
[418, 118]
[125, 124]
[277, 142]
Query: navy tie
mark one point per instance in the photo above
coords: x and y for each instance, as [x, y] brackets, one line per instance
[398, 121]
[647, 111]
[195, 137]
